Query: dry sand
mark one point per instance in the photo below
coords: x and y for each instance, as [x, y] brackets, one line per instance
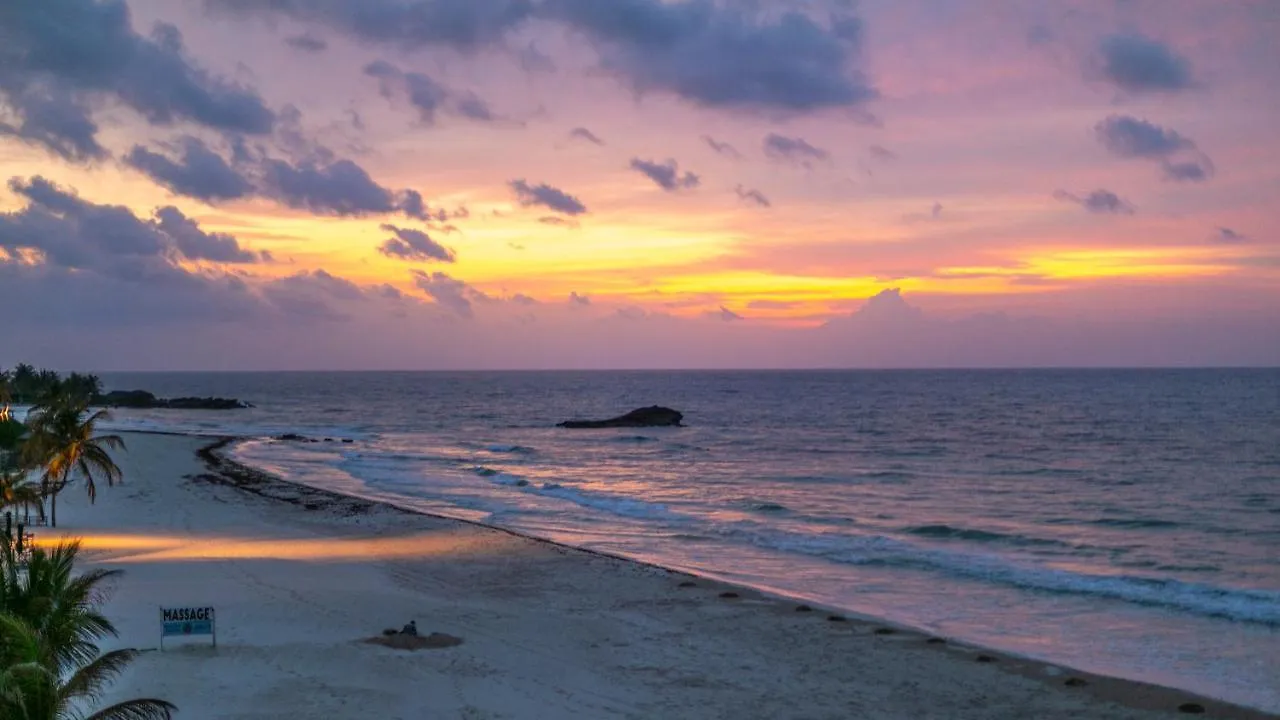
[302, 580]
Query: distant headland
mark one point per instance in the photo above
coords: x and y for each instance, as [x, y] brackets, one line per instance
[26, 385]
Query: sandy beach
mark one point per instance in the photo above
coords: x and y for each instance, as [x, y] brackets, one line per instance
[301, 579]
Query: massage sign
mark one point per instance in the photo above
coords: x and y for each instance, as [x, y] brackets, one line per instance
[187, 622]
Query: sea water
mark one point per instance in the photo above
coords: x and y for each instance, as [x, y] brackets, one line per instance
[1125, 522]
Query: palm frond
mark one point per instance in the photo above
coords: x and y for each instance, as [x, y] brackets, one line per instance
[92, 678]
[141, 709]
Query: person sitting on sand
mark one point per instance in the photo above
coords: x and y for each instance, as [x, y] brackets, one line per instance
[410, 629]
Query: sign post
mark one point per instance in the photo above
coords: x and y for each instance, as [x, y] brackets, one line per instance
[186, 622]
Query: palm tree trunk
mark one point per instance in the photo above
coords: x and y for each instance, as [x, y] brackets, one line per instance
[53, 511]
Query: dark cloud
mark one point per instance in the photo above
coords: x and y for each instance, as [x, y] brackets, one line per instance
[69, 232]
[196, 244]
[666, 175]
[1136, 64]
[58, 58]
[340, 188]
[751, 195]
[405, 24]
[727, 315]
[558, 221]
[725, 55]
[426, 94]
[307, 42]
[1194, 170]
[581, 133]
[546, 196]
[410, 244]
[1129, 137]
[198, 172]
[576, 299]
[450, 293]
[1099, 201]
[793, 150]
[883, 154]
[1227, 235]
[722, 148]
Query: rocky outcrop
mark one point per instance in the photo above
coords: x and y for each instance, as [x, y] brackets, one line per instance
[143, 400]
[654, 416]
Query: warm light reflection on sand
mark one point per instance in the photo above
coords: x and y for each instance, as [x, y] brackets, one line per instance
[127, 548]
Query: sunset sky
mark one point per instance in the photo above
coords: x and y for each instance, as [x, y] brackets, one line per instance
[404, 184]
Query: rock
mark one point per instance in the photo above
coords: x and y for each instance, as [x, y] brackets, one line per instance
[936, 641]
[803, 608]
[389, 632]
[729, 595]
[347, 440]
[836, 618]
[688, 584]
[885, 631]
[1193, 708]
[985, 659]
[1075, 682]
[411, 629]
[291, 437]
[654, 416]
[143, 400]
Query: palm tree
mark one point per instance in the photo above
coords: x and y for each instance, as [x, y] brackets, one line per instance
[16, 489]
[24, 380]
[64, 440]
[49, 622]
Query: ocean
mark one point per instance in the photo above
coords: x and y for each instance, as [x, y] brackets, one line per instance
[1125, 522]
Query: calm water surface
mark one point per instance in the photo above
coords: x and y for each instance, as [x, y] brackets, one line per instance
[1123, 522]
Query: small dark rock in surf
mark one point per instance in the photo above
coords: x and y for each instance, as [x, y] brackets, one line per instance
[803, 608]
[936, 641]
[1075, 682]
[885, 631]
[836, 618]
[291, 437]
[654, 416]
[985, 659]
[688, 584]
[1193, 708]
[729, 595]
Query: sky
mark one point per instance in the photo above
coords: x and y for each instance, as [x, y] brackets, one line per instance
[495, 184]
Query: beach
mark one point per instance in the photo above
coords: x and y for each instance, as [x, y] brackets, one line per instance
[301, 579]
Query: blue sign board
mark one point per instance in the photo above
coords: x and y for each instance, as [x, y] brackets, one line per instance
[187, 621]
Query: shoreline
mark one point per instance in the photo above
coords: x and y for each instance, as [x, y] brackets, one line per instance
[1133, 694]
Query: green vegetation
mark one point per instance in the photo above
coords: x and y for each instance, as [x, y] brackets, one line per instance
[50, 665]
[59, 440]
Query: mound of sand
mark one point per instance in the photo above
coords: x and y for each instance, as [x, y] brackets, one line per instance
[434, 641]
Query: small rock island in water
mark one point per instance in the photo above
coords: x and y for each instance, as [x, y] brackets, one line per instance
[141, 399]
[653, 416]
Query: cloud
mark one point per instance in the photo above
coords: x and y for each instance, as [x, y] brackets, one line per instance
[580, 300]
[60, 59]
[198, 172]
[307, 42]
[546, 196]
[558, 221]
[934, 214]
[1227, 235]
[771, 305]
[426, 94]
[533, 60]
[1137, 64]
[726, 55]
[466, 25]
[750, 195]
[66, 231]
[1099, 201]
[340, 188]
[722, 148]
[1129, 137]
[522, 299]
[409, 244]
[727, 315]
[581, 133]
[883, 154]
[450, 293]
[794, 150]
[666, 175]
